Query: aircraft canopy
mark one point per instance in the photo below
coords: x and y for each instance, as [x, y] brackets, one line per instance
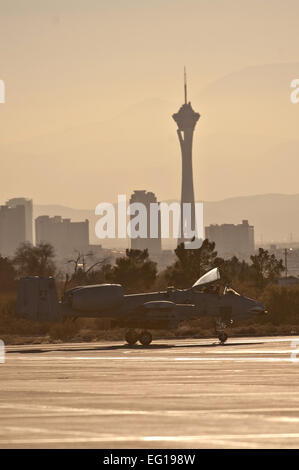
[211, 276]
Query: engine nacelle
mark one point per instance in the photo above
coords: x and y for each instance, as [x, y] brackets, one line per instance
[96, 298]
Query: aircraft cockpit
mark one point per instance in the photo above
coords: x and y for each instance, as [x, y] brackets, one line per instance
[210, 283]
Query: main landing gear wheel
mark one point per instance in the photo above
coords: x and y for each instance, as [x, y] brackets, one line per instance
[222, 338]
[145, 338]
[131, 337]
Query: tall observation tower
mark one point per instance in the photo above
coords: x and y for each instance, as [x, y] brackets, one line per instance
[186, 119]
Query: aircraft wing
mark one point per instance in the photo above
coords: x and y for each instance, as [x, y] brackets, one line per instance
[211, 276]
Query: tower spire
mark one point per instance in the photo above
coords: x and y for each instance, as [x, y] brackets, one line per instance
[186, 119]
[185, 84]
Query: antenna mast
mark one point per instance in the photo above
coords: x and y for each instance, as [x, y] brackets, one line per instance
[185, 85]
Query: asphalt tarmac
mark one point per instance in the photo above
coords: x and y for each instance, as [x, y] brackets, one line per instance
[173, 394]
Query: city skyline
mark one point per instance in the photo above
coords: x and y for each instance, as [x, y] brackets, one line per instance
[272, 207]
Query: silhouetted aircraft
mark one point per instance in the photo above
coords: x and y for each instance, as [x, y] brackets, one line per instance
[138, 313]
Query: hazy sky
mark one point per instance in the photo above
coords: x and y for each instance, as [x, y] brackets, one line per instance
[91, 86]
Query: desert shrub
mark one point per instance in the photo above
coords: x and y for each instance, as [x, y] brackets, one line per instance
[64, 331]
[282, 304]
[11, 324]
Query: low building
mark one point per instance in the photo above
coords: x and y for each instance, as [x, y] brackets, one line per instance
[65, 236]
[289, 281]
[232, 240]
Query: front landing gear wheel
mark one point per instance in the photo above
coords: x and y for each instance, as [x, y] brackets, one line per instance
[131, 337]
[145, 338]
[222, 337]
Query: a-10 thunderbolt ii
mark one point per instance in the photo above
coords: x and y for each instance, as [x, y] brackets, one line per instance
[138, 313]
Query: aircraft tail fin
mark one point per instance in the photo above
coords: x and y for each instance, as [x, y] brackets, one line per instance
[37, 299]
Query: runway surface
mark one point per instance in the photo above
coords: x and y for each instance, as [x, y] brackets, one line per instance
[174, 394]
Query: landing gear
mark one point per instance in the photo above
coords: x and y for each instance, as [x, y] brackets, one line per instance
[222, 337]
[131, 337]
[219, 328]
[145, 338]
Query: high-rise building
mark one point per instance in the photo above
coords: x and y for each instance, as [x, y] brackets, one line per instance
[232, 239]
[65, 236]
[27, 203]
[186, 119]
[12, 229]
[151, 243]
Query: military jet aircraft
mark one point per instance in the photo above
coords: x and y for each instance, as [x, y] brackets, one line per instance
[138, 313]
